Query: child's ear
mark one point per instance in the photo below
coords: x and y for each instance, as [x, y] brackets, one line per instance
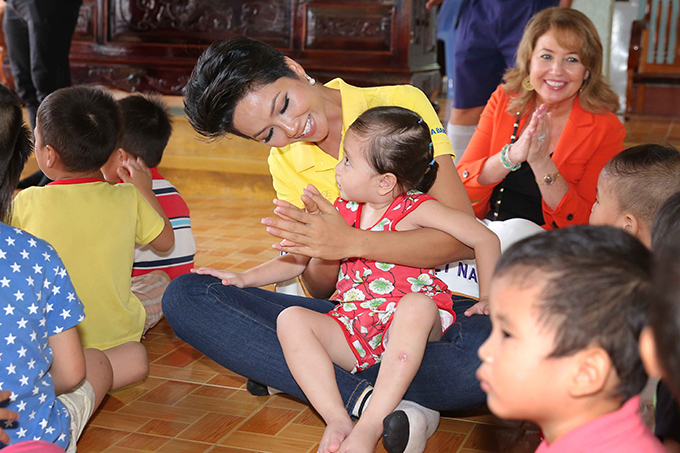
[631, 224]
[123, 155]
[386, 183]
[592, 372]
[52, 156]
[648, 353]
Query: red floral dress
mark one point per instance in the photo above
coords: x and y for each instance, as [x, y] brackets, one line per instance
[369, 291]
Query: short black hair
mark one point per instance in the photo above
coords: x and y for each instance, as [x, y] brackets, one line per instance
[398, 142]
[666, 226]
[82, 124]
[146, 127]
[594, 281]
[643, 177]
[15, 147]
[224, 74]
[664, 301]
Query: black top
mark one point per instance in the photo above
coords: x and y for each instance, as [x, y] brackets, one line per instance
[667, 416]
[519, 197]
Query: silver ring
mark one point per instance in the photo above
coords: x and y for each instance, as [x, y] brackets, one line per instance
[541, 138]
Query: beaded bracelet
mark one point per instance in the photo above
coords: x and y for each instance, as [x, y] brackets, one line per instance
[505, 160]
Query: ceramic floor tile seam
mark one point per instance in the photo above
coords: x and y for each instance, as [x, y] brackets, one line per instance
[166, 438]
[167, 353]
[233, 430]
[476, 422]
[465, 440]
[183, 381]
[290, 422]
[175, 437]
[668, 130]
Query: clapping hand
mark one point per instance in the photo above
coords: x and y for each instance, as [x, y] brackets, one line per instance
[539, 149]
[520, 150]
[319, 231]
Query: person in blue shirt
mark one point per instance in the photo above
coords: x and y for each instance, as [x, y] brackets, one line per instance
[51, 384]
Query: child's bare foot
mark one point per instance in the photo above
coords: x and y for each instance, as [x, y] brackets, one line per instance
[363, 438]
[335, 433]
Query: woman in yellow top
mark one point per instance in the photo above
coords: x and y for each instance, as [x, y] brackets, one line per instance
[244, 87]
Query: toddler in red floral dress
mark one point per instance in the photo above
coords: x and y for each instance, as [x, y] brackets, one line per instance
[386, 313]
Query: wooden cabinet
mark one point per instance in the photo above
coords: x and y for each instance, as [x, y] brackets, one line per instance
[152, 45]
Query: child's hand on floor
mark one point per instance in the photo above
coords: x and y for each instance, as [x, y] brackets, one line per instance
[480, 308]
[136, 172]
[6, 414]
[228, 278]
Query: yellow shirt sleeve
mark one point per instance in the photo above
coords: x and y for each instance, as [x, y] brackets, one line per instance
[149, 223]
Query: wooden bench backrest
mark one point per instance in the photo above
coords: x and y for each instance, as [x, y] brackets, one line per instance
[661, 50]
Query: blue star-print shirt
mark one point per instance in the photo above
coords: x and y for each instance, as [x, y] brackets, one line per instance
[37, 300]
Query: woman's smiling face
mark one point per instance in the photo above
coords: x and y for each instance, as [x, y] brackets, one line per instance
[280, 113]
[555, 72]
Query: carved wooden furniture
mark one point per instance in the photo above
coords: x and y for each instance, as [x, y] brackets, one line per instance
[654, 61]
[152, 45]
[3, 46]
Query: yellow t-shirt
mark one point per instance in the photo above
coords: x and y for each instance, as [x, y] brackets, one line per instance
[298, 164]
[94, 225]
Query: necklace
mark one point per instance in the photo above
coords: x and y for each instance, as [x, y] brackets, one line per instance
[513, 139]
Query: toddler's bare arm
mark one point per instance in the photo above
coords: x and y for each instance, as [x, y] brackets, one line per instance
[277, 270]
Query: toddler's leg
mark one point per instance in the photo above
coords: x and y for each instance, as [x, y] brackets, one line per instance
[149, 289]
[129, 362]
[416, 321]
[99, 373]
[311, 343]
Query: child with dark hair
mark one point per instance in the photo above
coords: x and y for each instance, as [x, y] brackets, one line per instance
[567, 309]
[659, 342]
[386, 313]
[92, 224]
[633, 185]
[53, 386]
[631, 189]
[146, 130]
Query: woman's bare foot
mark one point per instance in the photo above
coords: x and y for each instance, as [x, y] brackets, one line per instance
[335, 433]
[363, 438]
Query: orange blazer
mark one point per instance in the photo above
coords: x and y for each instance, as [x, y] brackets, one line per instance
[587, 143]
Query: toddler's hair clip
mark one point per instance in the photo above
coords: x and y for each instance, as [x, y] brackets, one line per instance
[432, 161]
[420, 121]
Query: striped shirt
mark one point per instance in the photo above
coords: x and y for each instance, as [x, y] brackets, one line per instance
[180, 258]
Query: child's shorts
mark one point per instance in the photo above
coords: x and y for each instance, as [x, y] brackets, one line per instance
[365, 323]
[80, 404]
[149, 289]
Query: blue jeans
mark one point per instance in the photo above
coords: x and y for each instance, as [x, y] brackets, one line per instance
[237, 329]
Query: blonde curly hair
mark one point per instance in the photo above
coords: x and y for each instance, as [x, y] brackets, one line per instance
[573, 31]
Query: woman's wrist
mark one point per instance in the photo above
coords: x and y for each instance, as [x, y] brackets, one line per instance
[515, 153]
[543, 166]
[358, 244]
[506, 161]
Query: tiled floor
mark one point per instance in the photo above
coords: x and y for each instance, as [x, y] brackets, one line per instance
[190, 404]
